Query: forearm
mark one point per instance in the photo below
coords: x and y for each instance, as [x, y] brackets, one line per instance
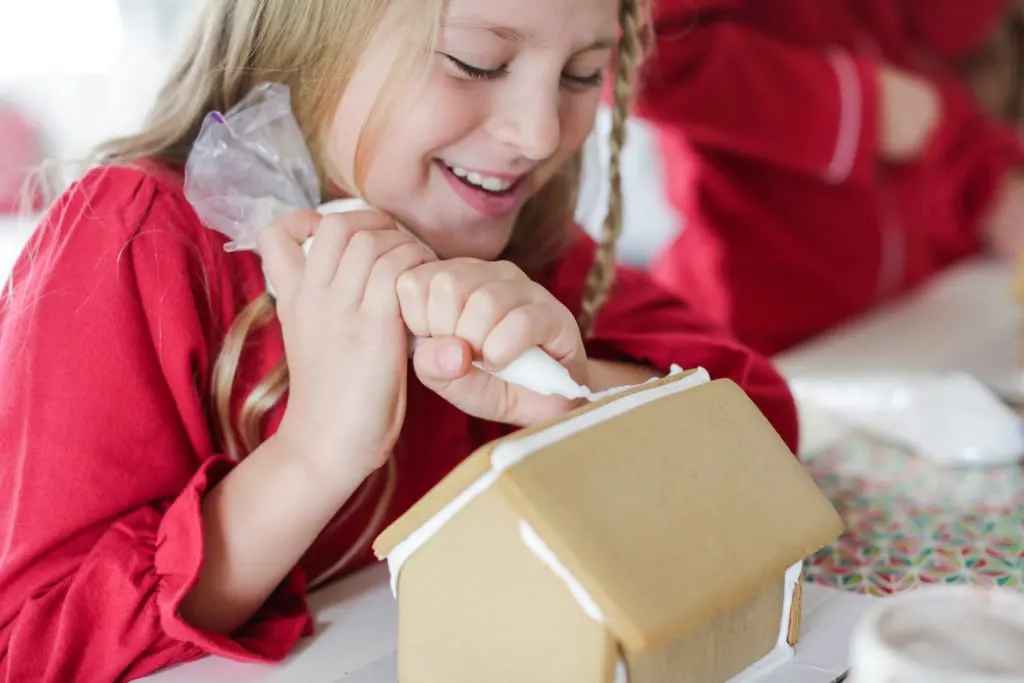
[257, 523]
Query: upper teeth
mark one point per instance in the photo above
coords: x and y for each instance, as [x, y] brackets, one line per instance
[489, 183]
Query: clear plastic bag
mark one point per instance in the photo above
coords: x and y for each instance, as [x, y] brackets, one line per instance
[949, 418]
[251, 166]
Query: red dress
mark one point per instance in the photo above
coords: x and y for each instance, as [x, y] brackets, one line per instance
[105, 428]
[768, 111]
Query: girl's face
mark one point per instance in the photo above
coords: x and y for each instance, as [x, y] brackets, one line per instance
[508, 97]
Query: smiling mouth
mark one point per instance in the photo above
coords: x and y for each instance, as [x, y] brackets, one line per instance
[489, 184]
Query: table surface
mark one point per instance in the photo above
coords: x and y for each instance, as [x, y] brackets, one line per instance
[910, 522]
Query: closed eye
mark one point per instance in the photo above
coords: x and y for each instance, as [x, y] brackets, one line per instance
[591, 81]
[480, 74]
[476, 72]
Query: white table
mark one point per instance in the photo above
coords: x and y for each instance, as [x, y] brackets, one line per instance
[357, 620]
[965, 320]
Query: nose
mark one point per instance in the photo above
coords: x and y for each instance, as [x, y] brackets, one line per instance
[529, 124]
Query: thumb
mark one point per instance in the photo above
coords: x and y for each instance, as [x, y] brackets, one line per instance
[441, 360]
[444, 365]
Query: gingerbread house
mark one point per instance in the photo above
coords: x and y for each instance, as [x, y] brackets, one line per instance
[656, 535]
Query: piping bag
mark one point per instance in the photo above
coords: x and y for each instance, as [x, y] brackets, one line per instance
[251, 166]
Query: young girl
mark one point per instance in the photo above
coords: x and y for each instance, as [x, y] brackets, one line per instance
[182, 458]
[827, 155]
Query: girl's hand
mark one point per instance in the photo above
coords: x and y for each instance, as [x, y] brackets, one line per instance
[345, 341]
[911, 110]
[466, 310]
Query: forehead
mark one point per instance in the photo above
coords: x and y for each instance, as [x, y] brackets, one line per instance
[536, 21]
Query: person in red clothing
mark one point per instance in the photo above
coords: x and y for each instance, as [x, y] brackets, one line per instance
[826, 155]
[184, 457]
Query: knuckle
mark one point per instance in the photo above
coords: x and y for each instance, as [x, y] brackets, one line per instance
[400, 259]
[519, 322]
[363, 244]
[445, 284]
[506, 268]
[540, 294]
[409, 284]
[484, 302]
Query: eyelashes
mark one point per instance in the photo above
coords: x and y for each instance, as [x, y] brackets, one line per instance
[478, 74]
[475, 72]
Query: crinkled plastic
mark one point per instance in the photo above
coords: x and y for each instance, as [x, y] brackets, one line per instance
[251, 166]
[949, 418]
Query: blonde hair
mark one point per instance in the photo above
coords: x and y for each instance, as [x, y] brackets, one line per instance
[306, 44]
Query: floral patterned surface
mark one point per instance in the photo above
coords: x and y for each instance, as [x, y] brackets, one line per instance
[912, 523]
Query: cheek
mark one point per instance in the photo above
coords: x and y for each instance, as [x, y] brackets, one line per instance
[339, 154]
[578, 120]
[342, 138]
[446, 113]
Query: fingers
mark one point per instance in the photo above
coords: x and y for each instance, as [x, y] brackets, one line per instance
[280, 246]
[442, 360]
[544, 323]
[381, 288]
[487, 306]
[358, 261]
[333, 236]
[433, 296]
[443, 365]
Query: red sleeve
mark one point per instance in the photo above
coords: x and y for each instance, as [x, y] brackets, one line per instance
[642, 322]
[964, 165]
[729, 87]
[105, 445]
[953, 28]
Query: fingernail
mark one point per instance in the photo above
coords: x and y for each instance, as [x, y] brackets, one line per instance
[449, 359]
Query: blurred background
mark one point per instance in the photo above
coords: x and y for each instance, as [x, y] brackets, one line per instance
[73, 73]
[76, 72]
[82, 70]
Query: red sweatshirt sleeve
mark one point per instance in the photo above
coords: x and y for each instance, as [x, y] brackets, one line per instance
[641, 322]
[729, 87]
[105, 444]
[953, 28]
[960, 173]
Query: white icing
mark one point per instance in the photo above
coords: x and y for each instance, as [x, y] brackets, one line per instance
[514, 451]
[783, 651]
[539, 372]
[536, 545]
[511, 452]
[780, 654]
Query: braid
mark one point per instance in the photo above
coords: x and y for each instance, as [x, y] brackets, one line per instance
[602, 274]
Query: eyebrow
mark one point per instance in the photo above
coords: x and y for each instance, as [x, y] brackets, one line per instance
[514, 35]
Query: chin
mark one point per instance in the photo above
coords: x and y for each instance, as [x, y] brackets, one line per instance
[484, 242]
[482, 253]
